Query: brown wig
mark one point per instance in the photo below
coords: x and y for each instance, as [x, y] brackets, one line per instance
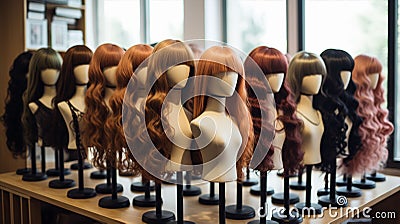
[106, 55]
[44, 58]
[75, 56]
[14, 106]
[131, 60]
[272, 61]
[216, 60]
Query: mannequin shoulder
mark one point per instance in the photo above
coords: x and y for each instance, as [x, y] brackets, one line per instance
[64, 108]
[33, 107]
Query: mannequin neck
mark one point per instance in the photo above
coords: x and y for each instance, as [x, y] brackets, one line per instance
[174, 96]
[49, 90]
[305, 101]
[80, 91]
[216, 103]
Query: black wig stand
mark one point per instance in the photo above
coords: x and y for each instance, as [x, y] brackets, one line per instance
[256, 189]
[81, 192]
[307, 207]
[299, 184]
[285, 215]
[281, 199]
[145, 200]
[106, 188]
[56, 171]
[239, 211]
[98, 174]
[179, 200]
[377, 177]
[34, 175]
[61, 183]
[158, 216]
[142, 186]
[341, 181]
[22, 171]
[349, 190]
[221, 203]
[364, 183]
[190, 190]
[249, 181]
[325, 190]
[263, 202]
[211, 198]
[332, 200]
[114, 201]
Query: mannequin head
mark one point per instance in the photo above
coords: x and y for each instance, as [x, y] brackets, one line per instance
[44, 58]
[14, 106]
[105, 56]
[271, 61]
[219, 60]
[131, 60]
[305, 64]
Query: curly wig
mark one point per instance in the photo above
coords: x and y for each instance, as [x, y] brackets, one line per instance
[14, 106]
[216, 60]
[272, 61]
[375, 127]
[106, 55]
[44, 58]
[75, 56]
[131, 60]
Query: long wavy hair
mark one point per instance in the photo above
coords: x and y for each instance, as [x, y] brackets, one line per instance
[44, 58]
[75, 56]
[272, 61]
[131, 60]
[375, 127]
[93, 135]
[11, 118]
[332, 108]
[216, 60]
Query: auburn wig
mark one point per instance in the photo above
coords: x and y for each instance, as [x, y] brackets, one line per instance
[131, 60]
[216, 60]
[75, 56]
[106, 55]
[375, 127]
[272, 61]
[14, 106]
[44, 58]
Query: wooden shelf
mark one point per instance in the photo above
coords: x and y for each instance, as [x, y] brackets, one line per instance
[201, 214]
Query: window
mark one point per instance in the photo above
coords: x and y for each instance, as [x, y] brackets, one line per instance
[166, 20]
[251, 23]
[119, 22]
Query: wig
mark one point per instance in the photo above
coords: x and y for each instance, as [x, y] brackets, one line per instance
[272, 61]
[216, 60]
[14, 106]
[375, 127]
[131, 60]
[44, 58]
[75, 56]
[303, 64]
[106, 55]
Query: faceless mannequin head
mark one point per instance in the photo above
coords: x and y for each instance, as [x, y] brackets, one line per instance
[275, 81]
[346, 77]
[373, 80]
[304, 64]
[224, 86]
[81, 74]
[177, 76]
[49, 76]
[109, 74]
[311, 84]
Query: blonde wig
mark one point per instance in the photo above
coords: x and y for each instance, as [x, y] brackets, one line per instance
[216, 60]
[131, 60]
[375, 128]
[106, 55]
[44, 58]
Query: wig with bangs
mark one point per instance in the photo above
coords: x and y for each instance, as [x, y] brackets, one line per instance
[272, 61]
[301, 65]
[131, 60]
[75, 56]
[216, 60]
[106, 55]
[375, 128]
[11, 118]
[44, 58]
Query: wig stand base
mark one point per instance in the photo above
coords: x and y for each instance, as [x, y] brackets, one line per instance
[141, 187]
[308, 210]
[246, 212]
[112, 203]
[255, 190]
[85, 166]
[56, 172]
[300, 186]
[364, 184]
[34, 177]
[81, 193]
[353, 192]
[62, 184]
[278, 198]
[211, 198]
[336, 202]
[23, 171]
[377, 177]
[249, 182]
[190, 190]
[151, 217]
[323, 191]
[143, 201]
[282, 218]
[98, 175]
[107, 188]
